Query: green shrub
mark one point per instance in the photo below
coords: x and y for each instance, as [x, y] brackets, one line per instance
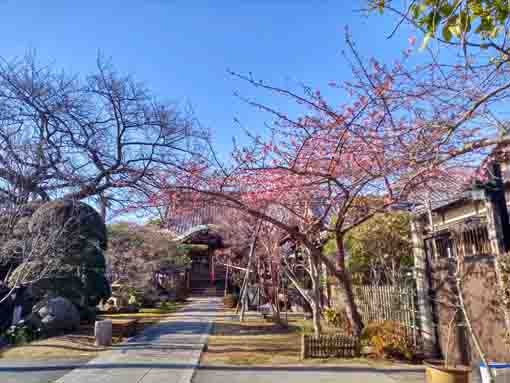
[22, 333]
[230, 301]
[166, 306]
[338, 319]
[133, 300]
[389, 340]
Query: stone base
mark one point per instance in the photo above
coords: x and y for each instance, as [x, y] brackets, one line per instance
[103, 333]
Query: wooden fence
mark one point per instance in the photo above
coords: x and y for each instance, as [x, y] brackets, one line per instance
[395, 303]
[329, 346]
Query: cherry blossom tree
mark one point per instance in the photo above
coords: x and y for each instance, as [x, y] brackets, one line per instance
[403, 129]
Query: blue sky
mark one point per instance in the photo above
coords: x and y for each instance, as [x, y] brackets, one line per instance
[182, 49]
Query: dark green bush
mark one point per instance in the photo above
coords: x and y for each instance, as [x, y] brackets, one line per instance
[23, 333]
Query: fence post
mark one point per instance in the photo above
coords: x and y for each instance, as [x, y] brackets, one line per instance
[423, 288]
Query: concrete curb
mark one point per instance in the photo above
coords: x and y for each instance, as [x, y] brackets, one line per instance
[203, 340]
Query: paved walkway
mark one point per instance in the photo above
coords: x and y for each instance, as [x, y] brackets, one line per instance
[166, 352]
[170, 351]
[305, 374]
[32, 371]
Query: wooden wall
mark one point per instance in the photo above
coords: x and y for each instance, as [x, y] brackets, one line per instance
[479, 292]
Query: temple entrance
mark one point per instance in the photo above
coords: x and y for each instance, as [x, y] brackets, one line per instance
[205, 277]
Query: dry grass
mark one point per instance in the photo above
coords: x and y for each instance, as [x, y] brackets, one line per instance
[252, 342]
[80, 344]
[77, 344]
[259, 342]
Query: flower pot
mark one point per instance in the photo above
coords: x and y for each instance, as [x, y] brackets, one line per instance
[436, 372]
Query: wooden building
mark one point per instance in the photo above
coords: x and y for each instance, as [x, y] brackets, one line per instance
[205, 275]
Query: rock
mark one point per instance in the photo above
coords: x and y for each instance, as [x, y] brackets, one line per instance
[80, 220]
[103, 333]
[96, 285]
[88, 314]
[6, 309]
[3, 342]
[57, 315]
[33, 320]
[77, 234]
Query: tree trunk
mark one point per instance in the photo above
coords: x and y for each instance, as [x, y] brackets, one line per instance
[316, 320]
[347, 296]
[338, 269]
[103, 206]
[311, 299]
[244, 295]
[316, 294]
[275, 282]
[226, 280]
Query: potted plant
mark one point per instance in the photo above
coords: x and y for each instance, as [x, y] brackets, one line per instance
[444, 371]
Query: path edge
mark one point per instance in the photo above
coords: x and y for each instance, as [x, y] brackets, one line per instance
[188, 377]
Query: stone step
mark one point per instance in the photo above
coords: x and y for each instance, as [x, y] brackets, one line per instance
[206, 292]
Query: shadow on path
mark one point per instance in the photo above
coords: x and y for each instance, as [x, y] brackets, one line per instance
[205, 367]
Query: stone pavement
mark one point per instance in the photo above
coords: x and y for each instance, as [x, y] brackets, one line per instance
[30, 371]
[170, 352]
[166, 352]
[349, 373]
[304, 374]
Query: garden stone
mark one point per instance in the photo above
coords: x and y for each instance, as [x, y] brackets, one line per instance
[58, 315]
[6, 309]
[103, 333]
[80, 246]
[3, 342]
[34, 321]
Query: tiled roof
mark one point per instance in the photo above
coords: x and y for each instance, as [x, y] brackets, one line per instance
[201, 215]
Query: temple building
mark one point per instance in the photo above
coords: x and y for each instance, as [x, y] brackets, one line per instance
[206, 276]
[199, 232]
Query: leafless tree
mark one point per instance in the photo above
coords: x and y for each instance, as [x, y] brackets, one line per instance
[101, 136]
